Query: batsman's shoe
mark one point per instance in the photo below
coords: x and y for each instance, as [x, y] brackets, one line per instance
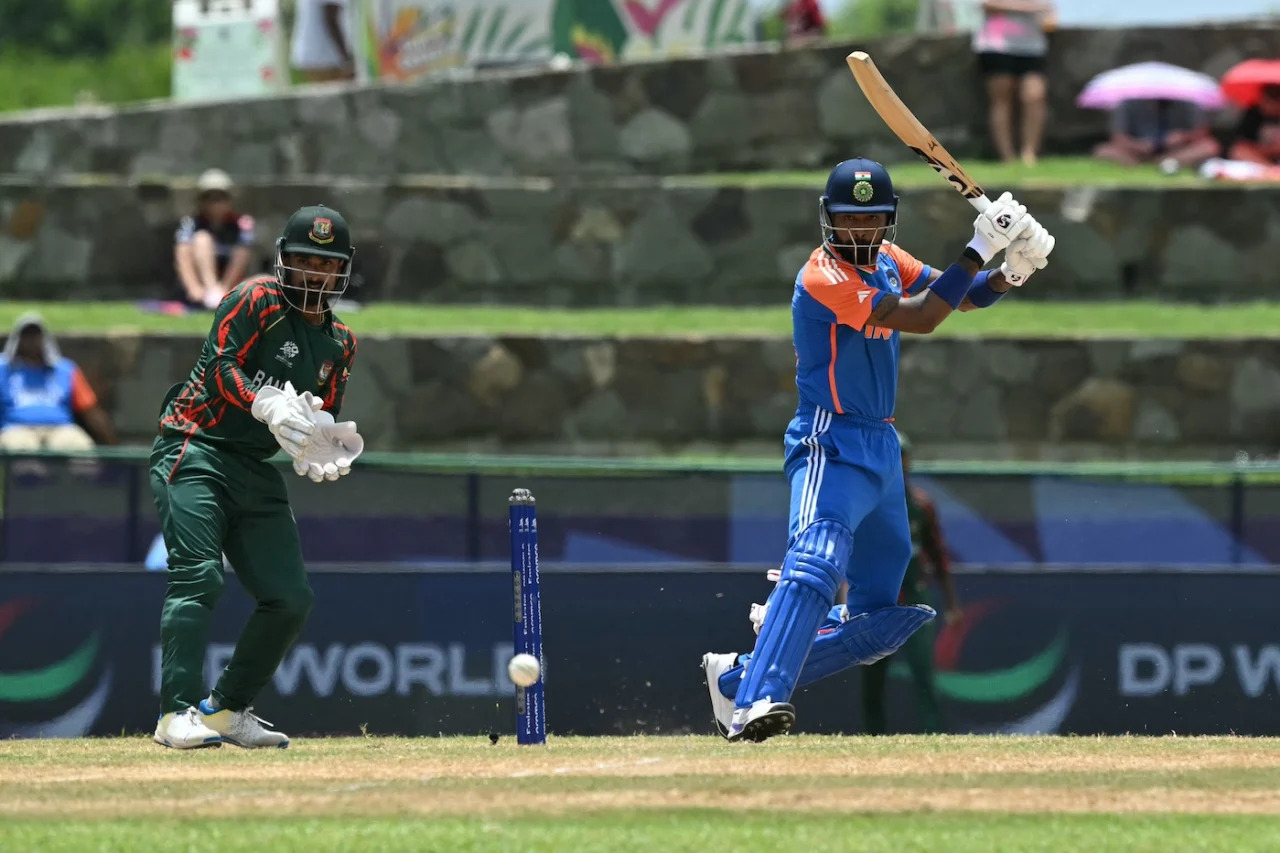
[185, 730]
[713, 666]
[764, 719]
[242, 728]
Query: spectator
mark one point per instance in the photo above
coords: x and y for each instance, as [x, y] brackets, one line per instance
[321, 45]
[1257, 137]
[1012, 43]
[804, 21]
[43, 395]
[214, 246]
[1173, 133]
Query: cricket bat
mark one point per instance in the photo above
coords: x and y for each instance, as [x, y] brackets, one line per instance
[909, 129]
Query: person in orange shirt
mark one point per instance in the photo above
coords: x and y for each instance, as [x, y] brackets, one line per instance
[43, 394]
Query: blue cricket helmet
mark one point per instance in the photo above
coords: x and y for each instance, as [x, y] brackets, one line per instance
[859, 186]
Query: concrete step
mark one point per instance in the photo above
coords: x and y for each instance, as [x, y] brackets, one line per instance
[623, 241]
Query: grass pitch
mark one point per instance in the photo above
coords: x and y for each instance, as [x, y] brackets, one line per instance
[1010, 319]
[644, 794]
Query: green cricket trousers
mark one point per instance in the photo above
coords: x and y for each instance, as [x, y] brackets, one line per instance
[212, 501]
[917, 653]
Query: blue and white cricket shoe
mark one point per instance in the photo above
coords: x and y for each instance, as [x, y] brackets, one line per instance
[242, 728]
[713, 666]
[764, 719]
[185, 730]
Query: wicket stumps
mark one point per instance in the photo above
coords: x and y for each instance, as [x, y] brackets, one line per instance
[531, 712]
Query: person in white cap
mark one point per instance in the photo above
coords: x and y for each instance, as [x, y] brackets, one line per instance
[214, 245]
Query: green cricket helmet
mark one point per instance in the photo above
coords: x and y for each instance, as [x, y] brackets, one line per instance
[317, 231]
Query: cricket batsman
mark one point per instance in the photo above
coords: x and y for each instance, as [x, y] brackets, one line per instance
[217, 492]
[848, 515]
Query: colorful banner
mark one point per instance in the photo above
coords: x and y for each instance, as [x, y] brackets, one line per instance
[407, 39]
[227, 49]
[425, 654]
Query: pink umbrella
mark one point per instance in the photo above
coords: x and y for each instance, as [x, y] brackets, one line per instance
[1151, 81]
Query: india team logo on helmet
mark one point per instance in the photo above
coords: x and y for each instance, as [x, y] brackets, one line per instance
[321, 231]
[863, 191]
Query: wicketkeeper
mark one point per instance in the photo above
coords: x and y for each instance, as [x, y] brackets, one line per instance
[271, 376]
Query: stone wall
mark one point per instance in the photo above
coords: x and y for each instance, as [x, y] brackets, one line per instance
[629, 242]
[762, 108]
[995, 399]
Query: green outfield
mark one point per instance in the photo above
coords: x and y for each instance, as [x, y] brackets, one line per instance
[964, 793]
[1011, 319]
[1050, 173]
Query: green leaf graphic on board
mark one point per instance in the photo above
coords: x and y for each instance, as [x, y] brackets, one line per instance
[588, 29]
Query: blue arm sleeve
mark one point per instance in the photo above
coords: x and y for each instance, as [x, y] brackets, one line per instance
[980, 293]
[953, 285]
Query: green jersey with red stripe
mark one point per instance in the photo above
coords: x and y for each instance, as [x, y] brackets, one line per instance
[929, 558]
[257, 340]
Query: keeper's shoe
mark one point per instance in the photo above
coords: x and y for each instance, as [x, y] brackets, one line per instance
[764, 719]
[185, 730]
[713, 665]
[242, 728]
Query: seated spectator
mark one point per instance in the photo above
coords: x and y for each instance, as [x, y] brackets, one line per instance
[321, 45]
[1257, 137]
[214, 245]
[43, 395]
[804, 21]
[1158, 131]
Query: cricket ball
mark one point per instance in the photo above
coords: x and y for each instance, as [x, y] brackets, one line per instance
[524, 670]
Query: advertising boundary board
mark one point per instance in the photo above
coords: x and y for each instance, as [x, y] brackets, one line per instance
[424, 653]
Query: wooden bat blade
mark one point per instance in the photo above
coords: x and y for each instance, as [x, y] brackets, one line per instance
[898, 118]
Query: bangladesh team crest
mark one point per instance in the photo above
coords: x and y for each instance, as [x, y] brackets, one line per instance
[321, 231]
[325, 370]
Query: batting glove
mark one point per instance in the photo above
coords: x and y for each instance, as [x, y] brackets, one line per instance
[1027, 255]
[998, 226]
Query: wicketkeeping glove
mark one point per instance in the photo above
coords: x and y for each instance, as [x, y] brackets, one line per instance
[286, 415]
[333, 446]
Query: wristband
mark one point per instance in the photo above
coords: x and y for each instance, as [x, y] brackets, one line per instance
[953, 285]
[980, 293]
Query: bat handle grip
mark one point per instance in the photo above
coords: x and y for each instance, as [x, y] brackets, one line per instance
[981, 203]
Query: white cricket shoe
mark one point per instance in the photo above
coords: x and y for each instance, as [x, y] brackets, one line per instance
[242, 728]
[713, 666]
[764, 719]
[185, 730]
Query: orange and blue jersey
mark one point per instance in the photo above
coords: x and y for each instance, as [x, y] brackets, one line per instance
[844, 364]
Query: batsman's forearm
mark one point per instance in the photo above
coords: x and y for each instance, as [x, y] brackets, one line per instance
[996, 281]
[924, 312]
